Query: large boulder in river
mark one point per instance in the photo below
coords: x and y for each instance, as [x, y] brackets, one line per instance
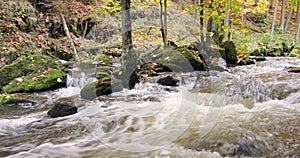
[60, 110]
[106, 84]
[229, 53]
[168, 81]
[33, 73]
[195, 61]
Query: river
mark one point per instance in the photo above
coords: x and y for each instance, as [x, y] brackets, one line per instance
[251, 111]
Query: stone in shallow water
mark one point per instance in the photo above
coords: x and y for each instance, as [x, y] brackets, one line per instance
[60, 110]
[168, 81]
[293, 69]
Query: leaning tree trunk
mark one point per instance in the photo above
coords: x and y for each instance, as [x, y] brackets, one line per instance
[274, 18]
[288, 18]
[282, 15]
[67, 32]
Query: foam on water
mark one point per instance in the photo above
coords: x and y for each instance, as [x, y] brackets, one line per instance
[155, 121]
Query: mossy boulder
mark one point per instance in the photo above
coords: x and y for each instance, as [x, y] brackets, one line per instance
[106, 84]
[274, 49]
[35, 82]
[102, 74]
[6, 99]
[194, 60]
[182, 59]
[229, 53]
[10, 104]
[33, 73]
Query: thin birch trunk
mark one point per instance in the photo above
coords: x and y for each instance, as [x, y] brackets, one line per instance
[66, 29]
[274, 18]
[282, 15]
[288, 18]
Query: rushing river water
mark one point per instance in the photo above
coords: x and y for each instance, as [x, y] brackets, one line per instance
[252, 111]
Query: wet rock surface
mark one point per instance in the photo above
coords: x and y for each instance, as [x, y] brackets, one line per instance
[62, 109]
[168, 81]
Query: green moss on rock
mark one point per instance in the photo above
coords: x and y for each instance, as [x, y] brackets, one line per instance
[195, 61]
[102, 86]
[229, 53]
[182, 59]
[102, 74]
[37, 82]
[6, 99]
[33, 73]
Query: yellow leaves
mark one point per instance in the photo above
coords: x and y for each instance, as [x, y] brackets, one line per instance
[91, 7]
[34, 79]
[7, 96]
[59, 80]
[240, 54]
[249, 3]
[260, 7]
[98, 82]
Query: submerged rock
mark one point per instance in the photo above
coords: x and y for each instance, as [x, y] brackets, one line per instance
[60, 110]
[293, 69]
[168, 81]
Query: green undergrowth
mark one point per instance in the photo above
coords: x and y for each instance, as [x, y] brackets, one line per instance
[251, 43]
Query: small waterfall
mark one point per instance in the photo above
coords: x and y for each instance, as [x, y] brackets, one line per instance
[79, 78]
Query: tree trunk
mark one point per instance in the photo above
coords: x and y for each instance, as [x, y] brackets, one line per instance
[288, 18]
[226, 22]
[129, 61]
[267, 11]
[126, 27]
[196, 11]
[243, 15]
[66, 29]
[165, 23]
[274, 18]
[298, 29]
[282, 15]
[271, 4]
[298, 12]
[202, 21]
[162, 23]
